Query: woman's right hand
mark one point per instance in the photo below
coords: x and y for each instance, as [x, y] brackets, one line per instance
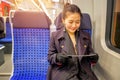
[61, 58]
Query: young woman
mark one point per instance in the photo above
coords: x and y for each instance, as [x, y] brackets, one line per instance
[70, 40]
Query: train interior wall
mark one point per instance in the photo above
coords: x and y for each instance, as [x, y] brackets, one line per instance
[109, 61]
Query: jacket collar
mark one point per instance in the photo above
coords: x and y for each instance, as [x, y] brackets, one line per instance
[61, 33]
[82, 37]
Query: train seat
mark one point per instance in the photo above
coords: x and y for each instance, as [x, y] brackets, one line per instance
[7, 40]
[85, 23]
[2, 34]
[31, 34]
[2, 54]
[8, 31]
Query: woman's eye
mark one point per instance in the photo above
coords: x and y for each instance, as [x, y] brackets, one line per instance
[70, 22]
[77, 22]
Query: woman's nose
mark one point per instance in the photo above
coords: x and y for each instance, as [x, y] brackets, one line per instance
[74, 25]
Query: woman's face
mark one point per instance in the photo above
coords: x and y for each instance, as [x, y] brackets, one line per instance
[72, 22]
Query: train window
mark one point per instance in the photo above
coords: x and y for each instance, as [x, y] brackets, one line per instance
[6, 9]
[113, 25]
[115, 37]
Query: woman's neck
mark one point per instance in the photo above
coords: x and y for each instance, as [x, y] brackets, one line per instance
[73, 39]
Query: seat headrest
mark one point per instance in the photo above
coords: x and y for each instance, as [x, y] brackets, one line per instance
[58, 21]
[1, 24]
[7, 20]
[85, 22]
[1, 19]
[31, 19]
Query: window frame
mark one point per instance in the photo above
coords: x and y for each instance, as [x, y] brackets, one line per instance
[109, 23]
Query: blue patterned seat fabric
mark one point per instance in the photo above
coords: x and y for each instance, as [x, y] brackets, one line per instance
[8, 35]
[31, 38]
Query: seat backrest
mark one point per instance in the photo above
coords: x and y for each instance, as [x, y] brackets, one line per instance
[58, 22]
[31, 36]
[85, 22]
[2, 35]
[7, 32]
[8, 29]
[1, 24]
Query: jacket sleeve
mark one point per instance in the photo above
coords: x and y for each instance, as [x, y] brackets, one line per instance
[92, 59]
[52, 50]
